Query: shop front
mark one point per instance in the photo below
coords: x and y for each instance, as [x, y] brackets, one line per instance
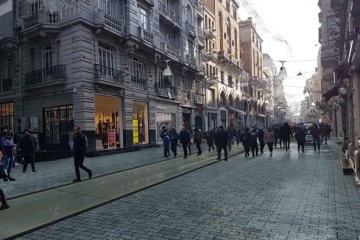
[223, 117]
[212, 120]
[140, 123]
[199, 118]
[186, 118]
[107, 122]
[58, 125]
[165, 117]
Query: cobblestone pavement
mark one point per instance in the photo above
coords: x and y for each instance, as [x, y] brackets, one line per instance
[60, 172]
[288, 196]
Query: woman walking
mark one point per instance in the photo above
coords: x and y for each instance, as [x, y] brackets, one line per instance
[269, 138]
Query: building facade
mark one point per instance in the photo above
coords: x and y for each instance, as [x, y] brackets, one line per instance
[259, 86]
[99, 65]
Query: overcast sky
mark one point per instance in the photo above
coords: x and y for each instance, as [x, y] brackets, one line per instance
[297, 22]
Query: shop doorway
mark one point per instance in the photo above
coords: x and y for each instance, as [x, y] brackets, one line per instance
[107, 122]
[140, 123]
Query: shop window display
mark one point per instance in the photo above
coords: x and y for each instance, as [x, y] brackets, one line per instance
[107, 122]
[164, 120]
[59, 121]
[140, 123]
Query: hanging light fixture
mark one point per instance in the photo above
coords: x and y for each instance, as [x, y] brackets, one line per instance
[167, 71]
[306, 94]
[313, 104]
[282, 73]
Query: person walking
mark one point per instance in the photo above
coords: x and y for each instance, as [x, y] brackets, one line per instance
[316, 134]
[184, 140]
[269, 139]
[4, 204]
[174, 138]
[286, 133]
[7, 149]
[210, 140]
[80, 146]
[197, 140]
[28, 146]
[253, 142]
[230, 136]
[261, 134]
[246, 141]
[300, 138]
[222, 139]
[163, 134]
[238, 135]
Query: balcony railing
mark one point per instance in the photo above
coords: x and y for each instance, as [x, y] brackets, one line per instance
[31, 20]
[148, 37]
[212, 55]
[169, 13]
[6, 85]
[138, 82]
[104, 73]
[113, 23]
[191, 29]
[210, 33]
[165, 90]
[234, 61]
[172, 51]
[46, 75]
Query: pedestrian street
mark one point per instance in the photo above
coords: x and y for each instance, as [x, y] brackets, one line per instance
[291, 195]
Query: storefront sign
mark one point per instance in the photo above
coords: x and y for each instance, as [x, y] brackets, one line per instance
[135, 131]
[111, 137]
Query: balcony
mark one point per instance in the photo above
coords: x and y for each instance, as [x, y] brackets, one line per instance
[212, 81]
[106, 22]
[165, 90]
[107, 75]
[224, 57]
[6, 85]
[210, 33]
[199, 99]
[139, 83]
[170, 15]
[46, 76]
[146, 36]
[48, 22]
[201, 39]
[170, 51]
[190, 30]
[200, 9]
[212, 55]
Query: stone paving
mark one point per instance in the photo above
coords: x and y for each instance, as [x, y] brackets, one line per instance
[288, 196]
[61, 172]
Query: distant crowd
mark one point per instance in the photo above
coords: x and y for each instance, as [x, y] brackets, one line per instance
[253, 139]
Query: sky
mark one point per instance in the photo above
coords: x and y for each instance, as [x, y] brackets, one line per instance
[297, 22]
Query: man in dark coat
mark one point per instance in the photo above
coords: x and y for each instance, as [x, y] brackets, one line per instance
[230, 133]
[79, 151]
[286, 134]
[222, 139]
[174, 138]
[300, 138]
[261, 133]
[28, 146]
[246, 141]
[316, 133]
[185, 140]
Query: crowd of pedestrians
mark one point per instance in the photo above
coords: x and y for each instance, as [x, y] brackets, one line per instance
[253, 139]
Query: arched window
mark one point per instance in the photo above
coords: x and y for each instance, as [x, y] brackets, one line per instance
[222, 99]
[231, 100]
[189, 14]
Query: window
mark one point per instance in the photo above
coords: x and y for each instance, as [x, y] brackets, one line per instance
[234, 13]
[222, 76]
[189, 14]
[138, 68]
[7, 115]
[34, 8]
[144, 19]
[58, 122]
[211, 97]
[47, 57]
[107, 7]
[106, 59]
[230, 81]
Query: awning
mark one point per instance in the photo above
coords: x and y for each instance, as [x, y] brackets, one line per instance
[237, 110]
[332, 92]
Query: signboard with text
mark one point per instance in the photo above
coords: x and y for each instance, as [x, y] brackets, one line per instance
[111, 137]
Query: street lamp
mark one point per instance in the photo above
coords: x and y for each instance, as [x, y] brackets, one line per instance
[282, 73]
[167, 71]
[313, 104]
